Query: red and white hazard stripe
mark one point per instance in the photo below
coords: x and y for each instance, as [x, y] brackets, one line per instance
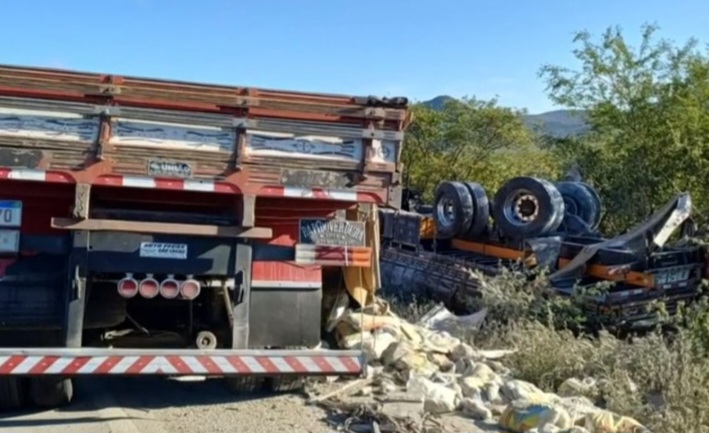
[316, 193]
[190, 185]
[72, 362]
[34, 175]
[322, 255]
[165, 183]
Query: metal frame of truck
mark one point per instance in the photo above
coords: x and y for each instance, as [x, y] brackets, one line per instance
[88, 140]
[642, 267]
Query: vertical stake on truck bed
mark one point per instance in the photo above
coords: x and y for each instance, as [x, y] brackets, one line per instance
[76, 289]
[241, 301]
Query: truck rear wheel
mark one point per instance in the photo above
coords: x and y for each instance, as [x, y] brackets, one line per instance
[282, 384]
[245, 384]
[51, 392]
[11, 393]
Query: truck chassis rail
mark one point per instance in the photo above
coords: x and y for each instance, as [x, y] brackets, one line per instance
[181, 362]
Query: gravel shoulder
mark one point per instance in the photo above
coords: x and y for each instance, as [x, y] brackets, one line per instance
[156, 405]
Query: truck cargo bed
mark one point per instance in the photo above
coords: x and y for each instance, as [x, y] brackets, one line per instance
[75, 127]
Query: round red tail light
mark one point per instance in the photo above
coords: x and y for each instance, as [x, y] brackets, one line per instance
[170, 289]
[149, 288]
[190, 289]
[127, 287]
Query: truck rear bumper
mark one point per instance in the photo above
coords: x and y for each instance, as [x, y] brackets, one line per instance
[181, 362]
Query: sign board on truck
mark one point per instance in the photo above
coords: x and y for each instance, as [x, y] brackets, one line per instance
[332, 232]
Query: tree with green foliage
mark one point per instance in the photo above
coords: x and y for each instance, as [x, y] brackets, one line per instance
[470, 140]
[647, 107]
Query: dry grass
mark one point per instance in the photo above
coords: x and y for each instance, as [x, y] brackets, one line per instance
[659, 379]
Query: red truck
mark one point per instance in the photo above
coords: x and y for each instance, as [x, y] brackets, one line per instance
[152, 227]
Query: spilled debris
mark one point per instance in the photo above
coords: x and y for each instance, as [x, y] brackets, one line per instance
[423, 379]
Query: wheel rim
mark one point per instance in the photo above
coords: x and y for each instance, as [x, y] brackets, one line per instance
[521, 207]
[445, 213]
[571, 207]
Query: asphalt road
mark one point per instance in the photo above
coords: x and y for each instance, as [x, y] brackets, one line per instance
[157, 405]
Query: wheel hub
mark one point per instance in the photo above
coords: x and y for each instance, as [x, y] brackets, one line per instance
[527, 207]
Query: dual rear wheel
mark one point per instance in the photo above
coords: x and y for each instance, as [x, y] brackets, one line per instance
[524, 207]
[42, 392]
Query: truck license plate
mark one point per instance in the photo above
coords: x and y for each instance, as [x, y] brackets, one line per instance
[9, 241]
[671, 277]
[10, 213]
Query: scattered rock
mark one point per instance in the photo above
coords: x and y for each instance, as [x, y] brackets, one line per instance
[462, 351]
[472, 386]
[404, 409]
[476, 409]
[521, 390]
[443, 375]
[416, 362]
[365, 392]
[441, 361]
[492, 394]
[395, 352]
[604, 421]
[437, 397]
[576, 387]
[378, 344]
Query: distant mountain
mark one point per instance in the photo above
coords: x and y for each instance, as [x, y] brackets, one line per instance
[557, 123]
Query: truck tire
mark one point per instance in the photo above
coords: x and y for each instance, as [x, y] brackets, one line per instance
[453, 209]
[582, 200]
[526, 207]
[285, 384]
[481, 210]
[12, 393]
[51, 392]
[240, 385]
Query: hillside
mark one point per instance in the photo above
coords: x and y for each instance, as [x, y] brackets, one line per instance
[557, 123]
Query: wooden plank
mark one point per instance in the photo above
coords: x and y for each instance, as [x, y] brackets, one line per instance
[164, 228]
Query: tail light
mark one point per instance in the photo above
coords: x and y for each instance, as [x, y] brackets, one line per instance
[170, 288]
[127, 287]
[190, 289]
[149, 288]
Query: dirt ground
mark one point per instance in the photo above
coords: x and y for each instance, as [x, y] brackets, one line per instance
[157, 405]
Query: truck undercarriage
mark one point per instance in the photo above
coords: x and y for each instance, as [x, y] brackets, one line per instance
[423, 255]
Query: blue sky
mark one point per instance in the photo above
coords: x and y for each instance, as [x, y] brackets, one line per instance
[414, 48]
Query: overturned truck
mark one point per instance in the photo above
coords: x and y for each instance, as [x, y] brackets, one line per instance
[532, 223]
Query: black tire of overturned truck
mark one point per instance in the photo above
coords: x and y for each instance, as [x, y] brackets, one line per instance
[12, 393]
[526, 207]
[481, 210]
[582, 200]
[453, 209]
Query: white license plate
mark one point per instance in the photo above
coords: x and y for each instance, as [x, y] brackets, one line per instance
[9, 241]
[671, 277]
[10, 213]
